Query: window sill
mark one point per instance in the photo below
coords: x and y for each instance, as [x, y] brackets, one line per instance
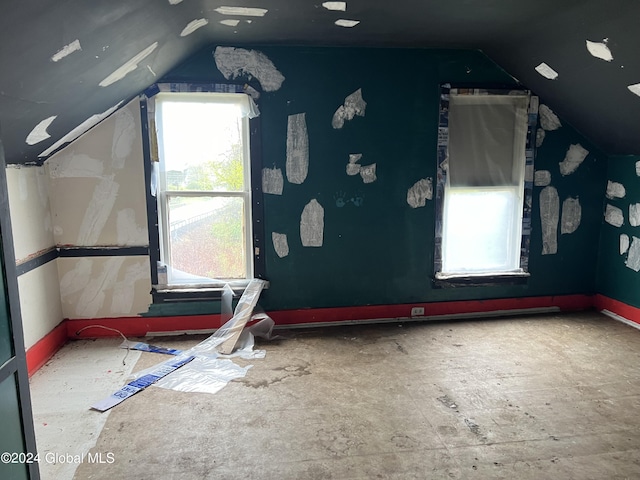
[446, 280]
[197, 292]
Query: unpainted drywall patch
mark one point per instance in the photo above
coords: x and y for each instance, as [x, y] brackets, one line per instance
[98, 211]
[634, 214]
[546, 71]
[128, 66]
[353, 167]
[127, 229]
[615, 190]
[368, 173]
[242, 11]
[39, 132]
[297, 165]
[420, 192]
[549, 121]
[572, 160]
[353, 105]
[230, 22]
[600, 50]
[193, 25]
[93, 295]
[124, 134]
[549, 216]
[540, 134]
[66, 50]
[75, 280]
[633, 258]
[571, 215]
[312, 224]
[542, 178]
[124, 290]
[272, 181]
[624, 243]
[613, 216]
[335, 6]
[635, 88]
[234, 62]
[72, 165]
[280, 244]
[343, 22]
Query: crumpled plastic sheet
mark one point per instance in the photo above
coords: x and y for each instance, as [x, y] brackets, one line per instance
[203, 375]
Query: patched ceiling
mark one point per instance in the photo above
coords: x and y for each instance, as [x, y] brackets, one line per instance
[66, 64]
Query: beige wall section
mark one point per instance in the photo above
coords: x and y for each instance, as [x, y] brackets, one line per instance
[39, 302]
[97, 186]
[102, 287]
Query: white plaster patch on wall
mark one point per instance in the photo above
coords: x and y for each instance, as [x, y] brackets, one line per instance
[127, 229]
[93, 295]
[549, 216]
[23, 184]
[615, 190]
[420, 192]
[233, 62]
[193, 25]
[638, 168]
[368, 173]
[230, 22]
[624, 243]
[542, 178]
[346, 23]
[175, 2]
[571, 216]
[42, 183]
[124, 134]
[272, 181]
[312, 224]
[336, 6]
[572, 160]
[128, 66]
[124, 290]
[98, 211]
[80, 129]
[540, 134]
[242, 11]
[353, 168]
[600, 50]
[613, 216]
[633, 258]
[71, 165]
[66, 50]
[75, 280]
[280, 244]
[546, 71]
[548, 120]
[634, 214]
[635, 88]
[39, 132]
[297, 165]
[353, 105]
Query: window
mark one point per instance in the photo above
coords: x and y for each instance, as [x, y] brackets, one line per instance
[203, 174]
[484, 183]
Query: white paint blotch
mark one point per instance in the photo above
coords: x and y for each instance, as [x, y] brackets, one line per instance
[234, 62]
[280, 244]
[540, 134]
[39, 132]
[634, 214]
[297, 165]
[353, 105]
[336, 6]
[98, 211]
[353, 168]
[347, 23]
[633, 258]
[548, 120]
[124, 290]
[242, 11]
[638, 168]
[128, 231]
[624, 243]
[635, 88]
[272, 181]
[572, 160]
[571, 216]
[600, 50]
[542, 178]
[94, 294]
[75, 280]
[613, 216]
[128, 66]
[615, 190]
[175, 2]
[23, 183]
[368, 173]
[230, 22]
[71, 165]
[66, 50]
[549, 216]
[420, 192]
[312, 224]
[193, 25]
[124, 134]
[546, 71]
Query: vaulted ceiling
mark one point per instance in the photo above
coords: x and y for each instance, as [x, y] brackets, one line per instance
[66, 63]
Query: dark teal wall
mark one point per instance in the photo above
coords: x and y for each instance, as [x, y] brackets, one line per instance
[614, 278]
[382, 251]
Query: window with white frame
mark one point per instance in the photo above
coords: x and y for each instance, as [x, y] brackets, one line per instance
[484, 201]
[203, 187]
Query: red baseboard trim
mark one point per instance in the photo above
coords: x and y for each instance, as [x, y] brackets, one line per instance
[626, 311]
[46, 347]
[140, 326]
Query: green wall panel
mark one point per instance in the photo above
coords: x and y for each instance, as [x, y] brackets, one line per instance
[11, 439]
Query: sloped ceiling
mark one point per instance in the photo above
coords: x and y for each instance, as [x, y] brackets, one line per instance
[66, 63]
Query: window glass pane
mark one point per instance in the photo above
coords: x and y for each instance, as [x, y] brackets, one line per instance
[207, 238]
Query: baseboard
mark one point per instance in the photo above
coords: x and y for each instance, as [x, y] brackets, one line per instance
[623, 310]
[46, 347]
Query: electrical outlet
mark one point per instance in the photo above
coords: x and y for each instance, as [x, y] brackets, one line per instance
[417, 312]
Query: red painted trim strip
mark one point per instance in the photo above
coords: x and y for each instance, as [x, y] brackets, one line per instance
[46, 347]
[619, 308]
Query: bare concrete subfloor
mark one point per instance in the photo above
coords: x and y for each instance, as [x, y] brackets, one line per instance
[539, 397]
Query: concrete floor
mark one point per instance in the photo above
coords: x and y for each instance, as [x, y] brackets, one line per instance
[553, 396]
